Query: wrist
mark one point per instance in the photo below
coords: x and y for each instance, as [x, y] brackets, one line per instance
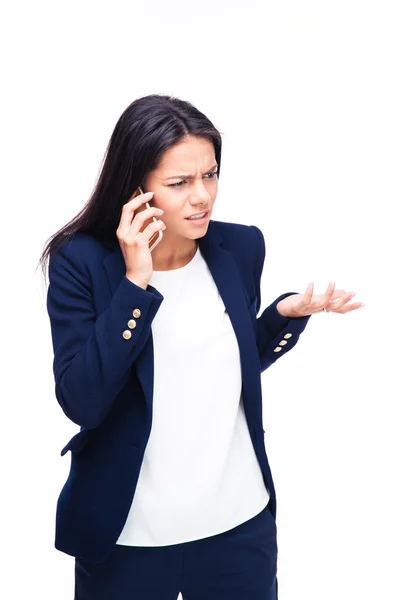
[280, 307]
[140, 283]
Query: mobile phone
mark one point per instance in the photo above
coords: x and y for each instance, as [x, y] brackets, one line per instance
[158, 235]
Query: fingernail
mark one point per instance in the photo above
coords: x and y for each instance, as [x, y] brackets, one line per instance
[160, 210]
[352, 295]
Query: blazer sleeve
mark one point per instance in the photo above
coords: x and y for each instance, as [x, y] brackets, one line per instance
[92, 359]
[275, 334]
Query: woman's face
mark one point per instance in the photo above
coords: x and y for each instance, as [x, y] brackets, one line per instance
[184, 183]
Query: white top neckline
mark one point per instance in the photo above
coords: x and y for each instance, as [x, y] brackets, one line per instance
[180, 269]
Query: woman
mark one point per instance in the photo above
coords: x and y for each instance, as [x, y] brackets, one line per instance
[158, 357]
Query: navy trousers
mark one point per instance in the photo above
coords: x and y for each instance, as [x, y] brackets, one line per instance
[239, 564]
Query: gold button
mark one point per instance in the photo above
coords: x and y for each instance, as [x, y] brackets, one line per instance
[136, 313]
[277, 349]
[131, 323]
[287, 336]
[127, 334]
[282, 342]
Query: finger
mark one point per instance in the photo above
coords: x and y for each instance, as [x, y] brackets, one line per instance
[327, 297]
[138, 195]
[338, 293]
[307, 297]
[349, 307]
[346, 298]
[330, 290]
[128, 210]
[139, 199]
[341, 301]
[140, 218]
[149, 231]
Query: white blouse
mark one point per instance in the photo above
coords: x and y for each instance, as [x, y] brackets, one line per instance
[200, 475]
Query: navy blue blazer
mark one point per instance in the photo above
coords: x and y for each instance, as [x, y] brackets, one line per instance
[104, 382]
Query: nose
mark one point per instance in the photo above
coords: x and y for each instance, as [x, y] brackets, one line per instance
[200, 195]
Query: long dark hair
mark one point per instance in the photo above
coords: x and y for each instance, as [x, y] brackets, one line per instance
[149, 126]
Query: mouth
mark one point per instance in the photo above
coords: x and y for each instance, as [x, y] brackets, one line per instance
[199, 219]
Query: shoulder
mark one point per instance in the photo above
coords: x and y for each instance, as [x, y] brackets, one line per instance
[81, 245]
[227, 229]
[237, 233]
[80, 253]
[247, 246]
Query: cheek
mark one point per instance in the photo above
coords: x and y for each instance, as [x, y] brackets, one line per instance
[163, 199]
[173, 205]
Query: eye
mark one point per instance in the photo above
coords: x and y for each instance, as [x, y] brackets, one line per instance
[176, 184]
[179, 183]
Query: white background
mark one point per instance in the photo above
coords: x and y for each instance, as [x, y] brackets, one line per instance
[306, 95]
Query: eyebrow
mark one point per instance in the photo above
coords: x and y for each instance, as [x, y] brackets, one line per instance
[187, 176]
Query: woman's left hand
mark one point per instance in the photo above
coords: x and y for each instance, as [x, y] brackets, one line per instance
[302, 305]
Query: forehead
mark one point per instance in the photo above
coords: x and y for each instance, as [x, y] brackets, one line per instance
[188, 155]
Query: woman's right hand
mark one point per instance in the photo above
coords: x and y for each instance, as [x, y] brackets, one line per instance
[134, 243]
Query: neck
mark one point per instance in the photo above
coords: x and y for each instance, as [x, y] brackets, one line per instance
[166, 259]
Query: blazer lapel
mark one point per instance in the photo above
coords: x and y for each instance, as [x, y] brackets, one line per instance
[230, 285]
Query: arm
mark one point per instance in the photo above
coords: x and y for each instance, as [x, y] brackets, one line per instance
[92, 359]
[272, 327]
